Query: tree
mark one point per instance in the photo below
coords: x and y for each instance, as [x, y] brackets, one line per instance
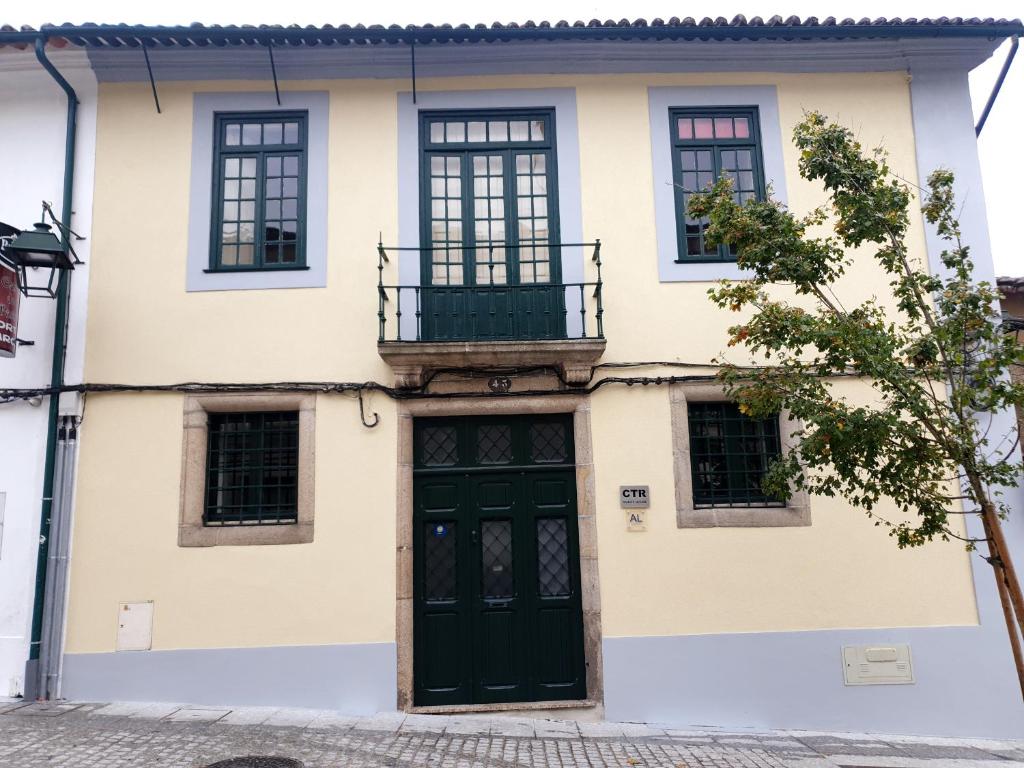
[934, 353]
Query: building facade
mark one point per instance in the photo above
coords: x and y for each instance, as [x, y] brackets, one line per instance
[411, 402]
[32, 140]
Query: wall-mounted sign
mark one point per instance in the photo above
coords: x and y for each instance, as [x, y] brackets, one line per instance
[634, 496]
[9, 301]
[637, 520]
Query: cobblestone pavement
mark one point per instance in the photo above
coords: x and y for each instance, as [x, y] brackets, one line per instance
[169, 736]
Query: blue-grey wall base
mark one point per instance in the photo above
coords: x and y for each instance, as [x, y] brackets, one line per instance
[964, 686]
[358, 679]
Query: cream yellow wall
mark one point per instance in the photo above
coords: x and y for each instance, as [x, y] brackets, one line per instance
[338, 589]
[143, 327]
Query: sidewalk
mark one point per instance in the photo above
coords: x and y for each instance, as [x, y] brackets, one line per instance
[171, 736]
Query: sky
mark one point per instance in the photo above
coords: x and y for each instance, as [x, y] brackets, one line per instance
[999, 146]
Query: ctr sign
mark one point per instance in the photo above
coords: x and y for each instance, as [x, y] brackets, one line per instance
[632, 496]
[9, 301]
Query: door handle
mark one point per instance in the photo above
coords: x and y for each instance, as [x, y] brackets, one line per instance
[472, 536]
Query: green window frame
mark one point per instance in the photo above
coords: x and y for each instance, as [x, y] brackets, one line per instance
[730, 454]
[708, 143]
[259, 191]
[252, 468]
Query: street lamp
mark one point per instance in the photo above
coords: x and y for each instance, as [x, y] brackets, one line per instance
[40, 251]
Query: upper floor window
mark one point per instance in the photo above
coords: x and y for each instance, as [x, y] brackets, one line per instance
[259, 216]
[708, 143]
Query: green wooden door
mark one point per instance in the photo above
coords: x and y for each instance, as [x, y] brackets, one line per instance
[491, 267]
[498, 616]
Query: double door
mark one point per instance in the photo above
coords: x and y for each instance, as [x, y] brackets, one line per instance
[498, 613]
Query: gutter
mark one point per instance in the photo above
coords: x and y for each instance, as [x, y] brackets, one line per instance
[44, 611]
[999, 84]
[131, 36]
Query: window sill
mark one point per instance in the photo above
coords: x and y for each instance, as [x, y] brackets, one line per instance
[236, 270]
[793, 516]
[244, 535]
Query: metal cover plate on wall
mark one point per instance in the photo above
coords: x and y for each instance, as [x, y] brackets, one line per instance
[880, 664]
[135, 626]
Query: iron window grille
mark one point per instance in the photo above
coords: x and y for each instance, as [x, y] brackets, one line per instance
[730, 454]
[706, 145]
[259, 192]
[252, 469]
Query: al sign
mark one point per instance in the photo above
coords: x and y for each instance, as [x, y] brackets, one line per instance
[9, 299]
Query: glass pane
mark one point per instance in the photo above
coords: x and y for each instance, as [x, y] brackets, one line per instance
[455, 132]
[704, 161]
[251, 133]
[477, 131]
[685, 128]
[291, 165]
[498, 580]
[229, 255]
[494, 444]
[547, 442]
[272, 133]
[436, 132]
[246, 254]
[273, 166]
[249, 167]
[231, 166]
[536, 130]
[439, 562]
[230, 190]
[233, 134]
[498, 130]
[702, 128]
[553, 558]
[723, 127]
[519, 130]
[248, 189]
[291, 133]
[742, 126]
[439, 446]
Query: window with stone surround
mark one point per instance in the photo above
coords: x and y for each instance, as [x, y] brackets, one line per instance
[247, 469]
[720, 457]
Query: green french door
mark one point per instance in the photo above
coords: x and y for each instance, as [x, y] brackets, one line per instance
[491, 265]
[498, 615]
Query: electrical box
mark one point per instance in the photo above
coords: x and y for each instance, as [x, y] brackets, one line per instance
[135, 626]
[881, 664]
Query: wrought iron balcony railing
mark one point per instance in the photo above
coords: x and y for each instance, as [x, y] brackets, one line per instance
[495, 309]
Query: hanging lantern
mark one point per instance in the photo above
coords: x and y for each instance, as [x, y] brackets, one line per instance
[37, 257]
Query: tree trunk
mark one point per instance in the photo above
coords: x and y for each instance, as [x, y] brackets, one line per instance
[1002, 559]
[1008, 612]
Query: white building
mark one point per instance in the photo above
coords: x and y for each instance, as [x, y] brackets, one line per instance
[33, 122]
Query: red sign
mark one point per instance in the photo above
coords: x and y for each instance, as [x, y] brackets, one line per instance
[9, 300]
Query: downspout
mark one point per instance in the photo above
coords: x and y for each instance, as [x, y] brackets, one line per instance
[34, 675]
[999, 84]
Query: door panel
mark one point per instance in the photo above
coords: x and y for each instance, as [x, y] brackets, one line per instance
[496, 560]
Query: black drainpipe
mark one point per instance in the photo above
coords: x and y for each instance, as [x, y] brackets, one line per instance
[34, 688]
[999, 84]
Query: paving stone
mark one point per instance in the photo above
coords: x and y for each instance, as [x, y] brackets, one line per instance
[84, 738]
[44, 709]
[297, 718]
[196, 715]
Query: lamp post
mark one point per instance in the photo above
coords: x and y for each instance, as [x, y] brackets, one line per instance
[37, 258]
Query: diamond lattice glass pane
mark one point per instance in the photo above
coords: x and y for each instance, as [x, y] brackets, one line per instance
[552, 558]
[547, 442]
[439, 561]
[494, 444]
[439, 446]
[496, 558]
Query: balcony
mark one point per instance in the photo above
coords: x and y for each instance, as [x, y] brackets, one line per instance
[493, 322]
